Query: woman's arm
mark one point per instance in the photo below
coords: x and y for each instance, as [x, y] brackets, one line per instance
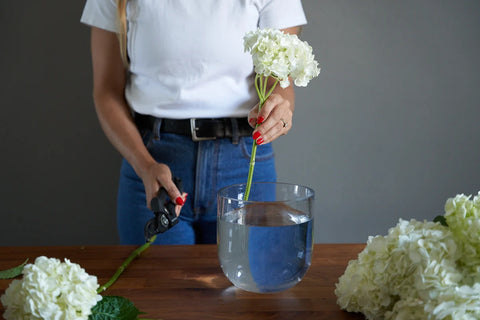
[109, 78]
[277, 112]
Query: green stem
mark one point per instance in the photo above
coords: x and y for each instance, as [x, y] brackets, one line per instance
[271, 89]
[264, 89]
[263, 96]
[137, 252]
[257, 79]
[250, 172]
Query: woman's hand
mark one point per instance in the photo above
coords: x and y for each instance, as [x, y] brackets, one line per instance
[275, 117]
[157, 175]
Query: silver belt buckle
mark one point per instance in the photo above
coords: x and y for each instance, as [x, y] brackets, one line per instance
[193, 131]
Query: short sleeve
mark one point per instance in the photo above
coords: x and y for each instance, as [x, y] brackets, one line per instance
[101, 14]
[280, 14]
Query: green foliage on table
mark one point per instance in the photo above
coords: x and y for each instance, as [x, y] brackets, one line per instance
[114, 308]
[13, 272]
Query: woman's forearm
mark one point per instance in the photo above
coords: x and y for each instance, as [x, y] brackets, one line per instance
[119, 127]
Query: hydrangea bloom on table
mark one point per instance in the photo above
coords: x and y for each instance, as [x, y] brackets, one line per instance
[51, 289]
[419, 270]
[463, 218]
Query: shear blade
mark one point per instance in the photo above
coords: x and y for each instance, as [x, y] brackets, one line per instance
[151, 228]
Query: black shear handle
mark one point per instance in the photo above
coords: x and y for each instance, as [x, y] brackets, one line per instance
[165, 215]
[158, 203]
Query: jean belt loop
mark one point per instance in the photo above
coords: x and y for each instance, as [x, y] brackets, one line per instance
[235, 131]
[157, 125]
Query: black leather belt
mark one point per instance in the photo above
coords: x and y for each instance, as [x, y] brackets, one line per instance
[198, 129]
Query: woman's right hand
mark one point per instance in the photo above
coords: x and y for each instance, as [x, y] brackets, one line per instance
[157, 175]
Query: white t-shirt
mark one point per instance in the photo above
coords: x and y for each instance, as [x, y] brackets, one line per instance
[186, 56]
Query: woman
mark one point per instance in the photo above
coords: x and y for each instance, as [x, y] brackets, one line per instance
[174, 93]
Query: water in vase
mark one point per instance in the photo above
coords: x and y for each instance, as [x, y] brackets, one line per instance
[265, 247]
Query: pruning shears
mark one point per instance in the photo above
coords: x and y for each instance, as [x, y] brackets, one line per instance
[164, 210]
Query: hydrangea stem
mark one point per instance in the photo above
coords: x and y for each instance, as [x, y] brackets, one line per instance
[261, 87]
[137, 252]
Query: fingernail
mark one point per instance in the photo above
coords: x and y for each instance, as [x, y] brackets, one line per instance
[260, 120]
[180, 201]
[252, 121]
[256, 135]
[260, 140]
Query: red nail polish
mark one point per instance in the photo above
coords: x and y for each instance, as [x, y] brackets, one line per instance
[260, 140]
[179, 201]
[260, 120]
[256, 135]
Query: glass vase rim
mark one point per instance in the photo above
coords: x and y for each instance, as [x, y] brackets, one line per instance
[311, 192]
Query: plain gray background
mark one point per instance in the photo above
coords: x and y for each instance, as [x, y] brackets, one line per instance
[389, 130]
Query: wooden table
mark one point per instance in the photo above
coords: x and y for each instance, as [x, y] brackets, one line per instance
[186, 282]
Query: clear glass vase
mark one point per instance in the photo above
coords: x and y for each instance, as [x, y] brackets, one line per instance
[265, 244]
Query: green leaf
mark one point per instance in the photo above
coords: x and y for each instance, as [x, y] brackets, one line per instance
[114, 308]
[13, 272]
[441, 220]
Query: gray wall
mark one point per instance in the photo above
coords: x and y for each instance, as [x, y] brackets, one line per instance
[389, 130]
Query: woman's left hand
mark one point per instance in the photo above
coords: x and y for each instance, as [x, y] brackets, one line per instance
[274, 119]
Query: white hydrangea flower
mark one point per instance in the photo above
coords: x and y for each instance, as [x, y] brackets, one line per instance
[414, 261]
[51, 290]
[281, 55]
[420, 270]
[463, 218]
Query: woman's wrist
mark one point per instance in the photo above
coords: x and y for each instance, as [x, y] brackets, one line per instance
[142, 162]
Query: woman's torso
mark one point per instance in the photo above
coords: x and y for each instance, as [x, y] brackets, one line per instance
[187, 58]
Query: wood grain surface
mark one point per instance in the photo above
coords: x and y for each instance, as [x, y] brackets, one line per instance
[186, 282]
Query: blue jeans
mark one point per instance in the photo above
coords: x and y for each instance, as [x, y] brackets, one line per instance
[204, 167]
